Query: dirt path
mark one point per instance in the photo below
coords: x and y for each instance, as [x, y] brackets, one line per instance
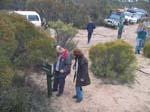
[99, 97]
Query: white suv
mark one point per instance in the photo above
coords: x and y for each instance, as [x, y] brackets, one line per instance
[32, 16]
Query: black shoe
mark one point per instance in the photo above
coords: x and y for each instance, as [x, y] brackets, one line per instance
[79, 100]
[59, 94]
[74, 97]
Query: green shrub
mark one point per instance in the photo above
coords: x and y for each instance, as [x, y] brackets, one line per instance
[65, 33]
[22, 45]
[23, 99]
[146, 49]
[113, 60]
[14, 100]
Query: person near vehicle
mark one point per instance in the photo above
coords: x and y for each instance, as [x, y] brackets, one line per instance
[62, 69]
[141, 36]
[90, 28]
[120, 27]
[81, 77]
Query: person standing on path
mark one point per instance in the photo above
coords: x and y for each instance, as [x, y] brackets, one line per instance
[90, 28]
[81, 76]
[62, 69]
[141, 36]
[120, 27]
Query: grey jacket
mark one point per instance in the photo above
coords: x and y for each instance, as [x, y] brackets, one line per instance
[65, 64]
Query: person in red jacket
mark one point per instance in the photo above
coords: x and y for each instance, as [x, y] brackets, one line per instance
[62, 69]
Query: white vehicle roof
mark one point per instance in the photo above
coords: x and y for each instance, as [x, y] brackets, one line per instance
[27, 12]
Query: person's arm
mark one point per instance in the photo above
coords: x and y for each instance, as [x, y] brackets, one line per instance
[94, 26]
[87, 27]
[84, 70]
[67, 64]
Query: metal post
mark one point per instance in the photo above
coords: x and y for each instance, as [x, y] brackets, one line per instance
[48, 68]
[49, 85]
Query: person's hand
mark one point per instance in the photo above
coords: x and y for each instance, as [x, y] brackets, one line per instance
[62, 71]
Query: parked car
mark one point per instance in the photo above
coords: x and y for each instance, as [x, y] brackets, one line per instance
[113, 19]
[32, 16]
[140, 16]
[129, 18]
[135, 10]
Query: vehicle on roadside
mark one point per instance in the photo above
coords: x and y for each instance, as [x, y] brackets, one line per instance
[113, 19]
[31, 16]
[140, 14]
[135, 10]
[129, 18]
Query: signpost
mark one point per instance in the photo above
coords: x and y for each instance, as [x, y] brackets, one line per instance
[48, 68]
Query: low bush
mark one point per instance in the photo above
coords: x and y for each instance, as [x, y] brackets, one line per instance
[22, 45]
[113, 60]
[146, 49]
[15, 100]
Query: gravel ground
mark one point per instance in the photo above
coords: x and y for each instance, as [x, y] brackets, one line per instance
[100, 97]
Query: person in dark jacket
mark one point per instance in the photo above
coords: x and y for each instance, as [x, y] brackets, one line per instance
[120, 27]
[81, 76]
[90, 28]
[62, 69]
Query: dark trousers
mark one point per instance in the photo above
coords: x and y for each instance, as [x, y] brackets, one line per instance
[59, 83]
[89, 36]
[120, 33]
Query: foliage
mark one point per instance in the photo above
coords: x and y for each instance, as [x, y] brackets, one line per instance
[146, 49]
[113, 60]
[66, 11]
[22, 99]
[22, 45]
[65, 33]
[76, 12]
[14, 100]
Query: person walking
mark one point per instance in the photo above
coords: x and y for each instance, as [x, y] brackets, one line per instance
[62, 69]
[141, 36]
[81, 77]
[120, 27]
[90, 28]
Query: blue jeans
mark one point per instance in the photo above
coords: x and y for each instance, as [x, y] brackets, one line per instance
[138, 46]
[79, 92]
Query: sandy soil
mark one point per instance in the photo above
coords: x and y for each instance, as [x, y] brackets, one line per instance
[99, 97]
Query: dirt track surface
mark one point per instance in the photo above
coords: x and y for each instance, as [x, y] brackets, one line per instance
[99, 97]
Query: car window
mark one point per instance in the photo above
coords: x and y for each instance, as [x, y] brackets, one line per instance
[115, 16]
[33, 18]
[127, 14]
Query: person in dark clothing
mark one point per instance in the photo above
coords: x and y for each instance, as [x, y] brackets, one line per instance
[90, 28]
[81, 76]
[62, 69]
[120, 27]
